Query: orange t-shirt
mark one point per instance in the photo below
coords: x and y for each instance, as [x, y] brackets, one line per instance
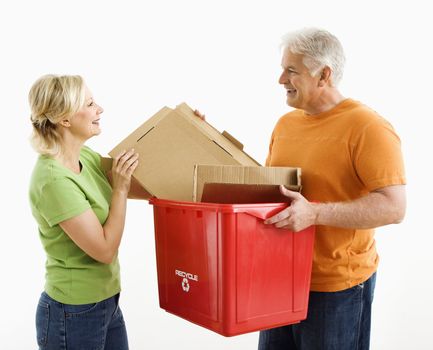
[344, 154]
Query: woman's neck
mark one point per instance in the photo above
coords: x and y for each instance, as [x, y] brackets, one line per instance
[69, 155]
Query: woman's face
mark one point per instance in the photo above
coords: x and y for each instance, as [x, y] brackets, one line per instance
[85, 123]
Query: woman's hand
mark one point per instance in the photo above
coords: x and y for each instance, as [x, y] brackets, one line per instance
[123, 167]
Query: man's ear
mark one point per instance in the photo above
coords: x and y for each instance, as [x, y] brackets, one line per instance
[325, 76]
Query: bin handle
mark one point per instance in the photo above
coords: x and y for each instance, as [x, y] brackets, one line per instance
[265, 213]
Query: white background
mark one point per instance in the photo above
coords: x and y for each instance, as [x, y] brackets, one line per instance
[221, 57]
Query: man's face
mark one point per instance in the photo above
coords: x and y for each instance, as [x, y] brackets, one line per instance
[303, 90]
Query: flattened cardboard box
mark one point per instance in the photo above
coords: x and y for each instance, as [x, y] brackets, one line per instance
[243, 184]
[170, 143]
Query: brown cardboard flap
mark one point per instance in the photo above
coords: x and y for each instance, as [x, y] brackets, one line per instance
[140, 132]
[233, 140]
[106, 164]
[137, 191]
[213, 134]
[246, 175]
[242, 194]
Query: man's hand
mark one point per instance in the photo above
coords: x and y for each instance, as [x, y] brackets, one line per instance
[380, 207]
[298, 216]
[198, 114]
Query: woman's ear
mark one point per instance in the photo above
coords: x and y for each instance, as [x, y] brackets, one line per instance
[325, 76]
[65, 122]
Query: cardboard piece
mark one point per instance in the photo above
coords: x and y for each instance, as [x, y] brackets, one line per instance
[106, 164]
[243, 184]
[170, 143]
[241, 194]
[136, 190]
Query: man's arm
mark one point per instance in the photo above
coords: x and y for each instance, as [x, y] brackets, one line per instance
[381, 207]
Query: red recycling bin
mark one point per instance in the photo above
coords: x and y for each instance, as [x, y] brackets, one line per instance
[221, 267]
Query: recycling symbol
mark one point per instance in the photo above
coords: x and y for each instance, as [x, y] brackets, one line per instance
[185, 285]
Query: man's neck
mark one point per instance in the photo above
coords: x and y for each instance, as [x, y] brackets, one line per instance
[326, 102]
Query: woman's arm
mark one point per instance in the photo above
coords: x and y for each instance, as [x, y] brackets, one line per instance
[101, 242]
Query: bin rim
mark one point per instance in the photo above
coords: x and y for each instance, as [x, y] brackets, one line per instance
[219, 207]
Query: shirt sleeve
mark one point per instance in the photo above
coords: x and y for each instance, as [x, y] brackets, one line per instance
[269, 157]
[378, 158]
[61, 200]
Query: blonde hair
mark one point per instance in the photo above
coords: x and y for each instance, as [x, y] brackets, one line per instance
[53, 98]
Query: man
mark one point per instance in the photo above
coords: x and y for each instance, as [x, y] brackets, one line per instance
[353, 181]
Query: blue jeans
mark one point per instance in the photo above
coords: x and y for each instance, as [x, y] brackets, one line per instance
[97, 326]
[335, 321]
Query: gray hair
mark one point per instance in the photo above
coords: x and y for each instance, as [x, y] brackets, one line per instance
[319, 48]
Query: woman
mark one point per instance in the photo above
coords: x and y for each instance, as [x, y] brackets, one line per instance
[80, 213]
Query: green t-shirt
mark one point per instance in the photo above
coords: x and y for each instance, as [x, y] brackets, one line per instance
[57, 194]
